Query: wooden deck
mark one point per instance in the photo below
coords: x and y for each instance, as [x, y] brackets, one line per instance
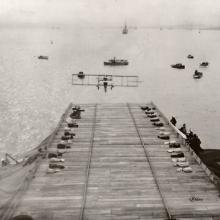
[118, 169]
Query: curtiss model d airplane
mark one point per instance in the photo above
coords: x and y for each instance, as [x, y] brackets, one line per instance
[104, 80]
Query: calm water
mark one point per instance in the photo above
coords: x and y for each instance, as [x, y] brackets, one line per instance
[34, 93]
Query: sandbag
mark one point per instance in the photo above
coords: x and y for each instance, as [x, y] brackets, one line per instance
[65, 138]
[22, 217]
[164, 137]
[52, 155]
[174, 150]
[73, 125]
[61, 146]
[154, 119]
[49, 170]
[187, 170]
[174, 145]
[67, 133]
[54, 159]
[56, 166]
[149, 113]
[145, 108]
[181, 164]
[181, 159]
[158, 124]
[179, 154]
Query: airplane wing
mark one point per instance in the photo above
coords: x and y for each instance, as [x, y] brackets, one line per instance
[125, 81]
[88, 80]
[115, 80]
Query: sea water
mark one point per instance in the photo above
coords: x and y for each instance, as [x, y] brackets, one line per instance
[34, 93]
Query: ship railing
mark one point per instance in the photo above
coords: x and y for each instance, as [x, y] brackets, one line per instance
[17, 158]
[178, 133]
[213, 178]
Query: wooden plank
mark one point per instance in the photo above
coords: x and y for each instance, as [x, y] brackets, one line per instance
[120, 184]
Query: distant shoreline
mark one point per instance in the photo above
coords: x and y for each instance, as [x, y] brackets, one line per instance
[92, 26]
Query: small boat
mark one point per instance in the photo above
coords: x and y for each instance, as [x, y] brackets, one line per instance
[116, 62]
[178, 66]
[125, 29]
[197, 74]
[41, 57]
[81, 75]
[204, 64]
[190, 56]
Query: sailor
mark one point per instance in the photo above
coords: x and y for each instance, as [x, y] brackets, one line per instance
[173, 121]
[4, 162]
[105, 84]
[189, 136]
[195, 143]
[183, 129]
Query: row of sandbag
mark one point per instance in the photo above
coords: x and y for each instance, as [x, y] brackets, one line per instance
[56, 158]
[177, 156]
[154, 118]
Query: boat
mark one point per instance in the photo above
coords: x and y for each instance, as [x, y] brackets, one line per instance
[110, 169]
[41, 57]
[190, 56]
[197, 74]
[116, 62]
[178, 66]
[204, 64]
[125, 29]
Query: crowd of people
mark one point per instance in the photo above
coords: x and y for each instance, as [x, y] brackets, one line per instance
[192, 138]
[210, 157]
[194, 142]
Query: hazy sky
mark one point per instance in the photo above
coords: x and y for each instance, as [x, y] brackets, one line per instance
[111, 12]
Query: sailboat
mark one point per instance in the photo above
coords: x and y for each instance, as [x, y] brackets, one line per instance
[125, 29]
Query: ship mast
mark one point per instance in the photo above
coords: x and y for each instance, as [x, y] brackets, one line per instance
[125, 29]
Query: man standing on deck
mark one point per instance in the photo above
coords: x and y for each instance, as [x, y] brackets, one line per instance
[173, 121]
[183, 129]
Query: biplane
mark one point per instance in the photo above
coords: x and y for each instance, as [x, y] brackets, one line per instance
[104, 80]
